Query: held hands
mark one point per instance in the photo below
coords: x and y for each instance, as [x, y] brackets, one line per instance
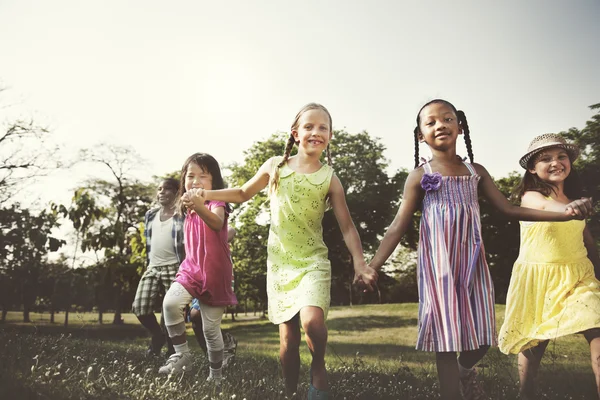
[365, 277]
[193, 199]
[580, 209]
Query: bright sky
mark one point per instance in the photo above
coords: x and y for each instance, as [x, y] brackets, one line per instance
[173, 78]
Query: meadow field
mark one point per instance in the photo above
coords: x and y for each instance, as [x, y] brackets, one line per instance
[370, 355]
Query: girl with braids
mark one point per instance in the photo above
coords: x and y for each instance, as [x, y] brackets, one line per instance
[298, 270]
[456, 294]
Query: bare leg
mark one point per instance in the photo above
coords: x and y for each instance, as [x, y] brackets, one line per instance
[313, 323]
[468, 359]
[149, 322]
[529, 364]
[289, 353]
[593, 338]
[197, 327]
[447, 368]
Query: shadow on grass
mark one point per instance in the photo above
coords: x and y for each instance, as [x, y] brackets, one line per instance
[365, 323]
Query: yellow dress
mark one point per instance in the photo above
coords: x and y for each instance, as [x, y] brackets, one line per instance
[553, 291]
[298, 267]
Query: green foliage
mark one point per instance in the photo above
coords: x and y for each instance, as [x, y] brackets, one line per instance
[501, 238]
[588, 164]
[106, 215]
[372, 199]
[249, 248]
[25, 240]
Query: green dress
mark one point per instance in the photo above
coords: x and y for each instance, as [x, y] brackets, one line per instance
[298, 269]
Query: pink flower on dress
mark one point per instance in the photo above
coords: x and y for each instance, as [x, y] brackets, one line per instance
[431, 182]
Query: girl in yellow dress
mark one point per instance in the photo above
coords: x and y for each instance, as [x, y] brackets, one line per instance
[553, 290]
[298, 269]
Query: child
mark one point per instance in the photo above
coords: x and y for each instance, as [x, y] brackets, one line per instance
[553, 291]
[163, 229]
[298, 270]
[456, 294]
[206, 272]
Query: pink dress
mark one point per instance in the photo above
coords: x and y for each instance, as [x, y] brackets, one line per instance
[207, 272]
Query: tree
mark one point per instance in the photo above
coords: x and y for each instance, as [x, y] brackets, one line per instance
[501, 238]
[106, 213]
[372, 198]
[25, 154]
[588, 164]
[26, 239]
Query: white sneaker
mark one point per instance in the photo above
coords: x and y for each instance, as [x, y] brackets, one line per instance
[216, 383]
[178, 362]
[229, 349]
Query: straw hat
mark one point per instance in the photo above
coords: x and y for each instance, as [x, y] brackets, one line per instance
[545, 141]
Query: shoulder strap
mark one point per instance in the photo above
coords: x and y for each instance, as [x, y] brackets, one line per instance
[470, 167]
[427, 167]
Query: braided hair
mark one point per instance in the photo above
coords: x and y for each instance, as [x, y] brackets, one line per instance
[274, 181]
[462, 121]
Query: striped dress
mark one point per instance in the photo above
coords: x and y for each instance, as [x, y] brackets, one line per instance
[456, 293]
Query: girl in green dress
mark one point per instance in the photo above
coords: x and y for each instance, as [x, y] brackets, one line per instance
[298, 270]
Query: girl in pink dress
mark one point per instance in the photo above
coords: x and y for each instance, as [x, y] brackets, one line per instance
[206, 272]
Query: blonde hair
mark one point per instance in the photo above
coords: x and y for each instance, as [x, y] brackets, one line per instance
[274, 181]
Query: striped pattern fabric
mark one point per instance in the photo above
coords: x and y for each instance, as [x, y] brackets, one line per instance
[456, 292]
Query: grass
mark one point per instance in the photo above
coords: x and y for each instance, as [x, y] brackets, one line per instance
[370, 356]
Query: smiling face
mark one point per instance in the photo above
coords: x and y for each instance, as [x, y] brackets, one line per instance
[166, 193]
[197, 178]
[438, 126]
[552, 165]
[313, 132]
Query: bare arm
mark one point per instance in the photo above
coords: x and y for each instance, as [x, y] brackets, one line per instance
[590, 245]
[214, 218]
[413, 195]
[351, 237]
[247, 191]
[577, 209]
[230, 233]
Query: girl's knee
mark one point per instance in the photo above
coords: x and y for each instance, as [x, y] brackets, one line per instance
[315, 329]
[172, 306]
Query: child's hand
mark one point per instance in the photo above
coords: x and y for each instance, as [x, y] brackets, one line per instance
[197, 197]
[365, 275]
[186, 200]
[580, 209]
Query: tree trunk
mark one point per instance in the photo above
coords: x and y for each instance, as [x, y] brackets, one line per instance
[26, 313]
[117, 320]
[52, 315]
[67, 316]
[4, 312]
[100, 315]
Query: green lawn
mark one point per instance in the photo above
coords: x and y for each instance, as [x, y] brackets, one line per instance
[370, 356]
